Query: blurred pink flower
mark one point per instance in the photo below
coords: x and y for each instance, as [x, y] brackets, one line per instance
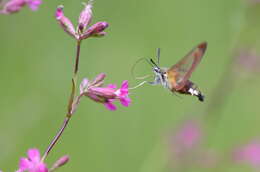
[14, 6]
[85, 17]
[105, 95]
[187, 150]
[32, 163]
[249, 154]
[188, 135]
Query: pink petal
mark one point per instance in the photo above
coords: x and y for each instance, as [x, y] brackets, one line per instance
[59, 12]
[110, 106]
[125, 101]
[113, 86]
[85, 17]
[34, 155]
[107, 93]
[24, 164]
[98, 81]
[65, 22]
[124, 89]
[95, 98]
[124, 85]
[41, 168]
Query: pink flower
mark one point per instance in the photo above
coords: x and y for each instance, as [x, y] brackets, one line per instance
[83, 31]
[13, 6]
[187, 149]
[105, 95]
[249, 154]
[32, 163]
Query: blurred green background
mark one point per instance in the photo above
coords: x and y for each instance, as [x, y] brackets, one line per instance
[36, 70]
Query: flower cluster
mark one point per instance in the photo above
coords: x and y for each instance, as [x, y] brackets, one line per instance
[105, 95]
[82, 31]
[13, 6]
[187, 149]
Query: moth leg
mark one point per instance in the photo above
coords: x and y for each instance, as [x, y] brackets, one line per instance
[157, 80]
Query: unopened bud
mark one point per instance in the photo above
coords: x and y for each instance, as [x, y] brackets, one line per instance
[85, 17]
[60, 162]
[95, 29]
[84, 85]
[98, 81]
[64, 22]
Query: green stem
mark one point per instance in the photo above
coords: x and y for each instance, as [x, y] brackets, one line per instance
[70, 106]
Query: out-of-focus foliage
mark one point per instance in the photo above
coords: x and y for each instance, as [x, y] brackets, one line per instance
[36, 70]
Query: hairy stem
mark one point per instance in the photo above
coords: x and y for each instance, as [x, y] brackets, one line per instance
[70, 105]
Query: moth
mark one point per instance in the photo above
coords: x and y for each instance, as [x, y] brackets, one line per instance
[176, 78]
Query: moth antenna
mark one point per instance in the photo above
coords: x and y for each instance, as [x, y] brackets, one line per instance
[158, 54]
[133, 68]
[139, 85]
[154, 64]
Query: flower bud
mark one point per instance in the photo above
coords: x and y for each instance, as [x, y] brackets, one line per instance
[85, 17]
[64, 22]
[60, 162]
[84, 85]
[95, 29]
[98, 81]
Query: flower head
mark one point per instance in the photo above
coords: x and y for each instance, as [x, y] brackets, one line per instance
[83, 30]
[14, 6]
[32, 163]
[105, 95]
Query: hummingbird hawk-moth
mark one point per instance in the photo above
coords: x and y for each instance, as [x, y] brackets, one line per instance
[176, 78]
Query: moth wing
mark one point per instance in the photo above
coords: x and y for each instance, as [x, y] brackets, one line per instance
[179, 73]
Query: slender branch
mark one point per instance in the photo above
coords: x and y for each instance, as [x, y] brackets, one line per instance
[76, 67]
[70, 105]
[56, 138]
